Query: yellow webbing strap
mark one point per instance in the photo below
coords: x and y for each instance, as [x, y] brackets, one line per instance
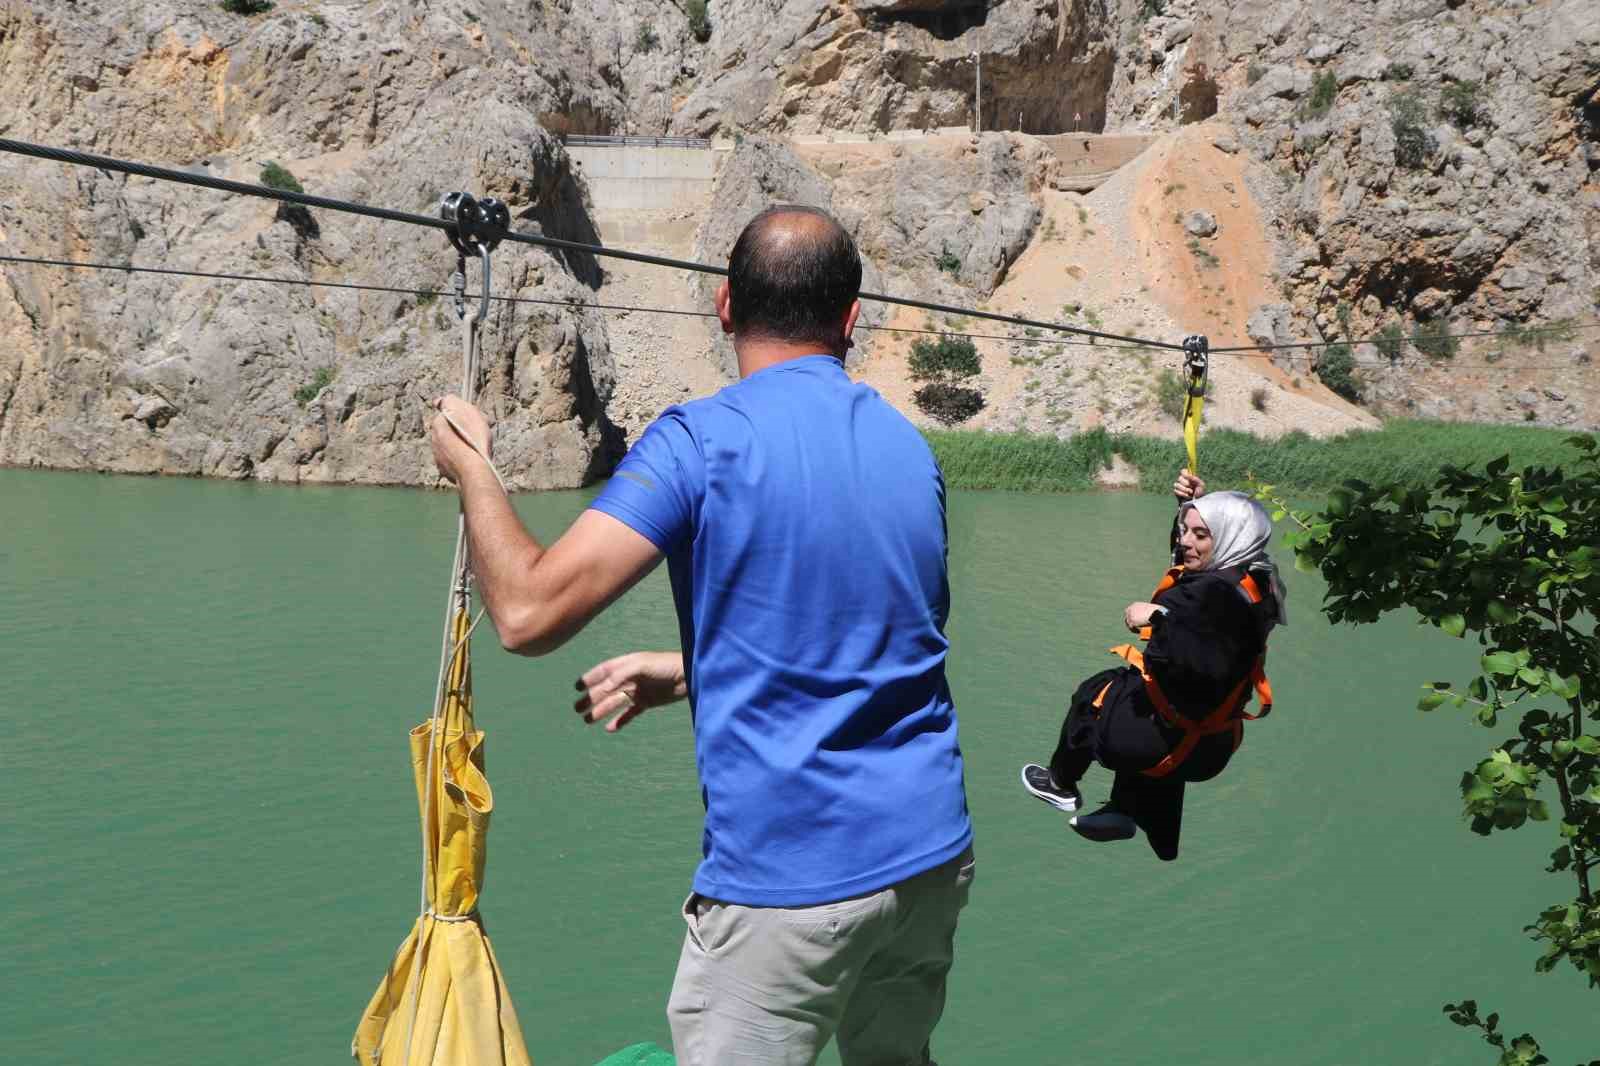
[1196, 365]
[1191, 430]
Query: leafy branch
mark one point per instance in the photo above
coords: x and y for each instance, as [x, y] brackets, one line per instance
[1512, 559]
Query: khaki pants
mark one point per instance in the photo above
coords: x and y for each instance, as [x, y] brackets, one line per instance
[772, 985]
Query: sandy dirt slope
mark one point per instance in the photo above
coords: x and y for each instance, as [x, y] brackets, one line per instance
[1119, 260]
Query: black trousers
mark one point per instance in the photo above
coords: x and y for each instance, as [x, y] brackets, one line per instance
[1126, 735]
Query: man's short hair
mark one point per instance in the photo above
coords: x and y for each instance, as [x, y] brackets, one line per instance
[793, 278]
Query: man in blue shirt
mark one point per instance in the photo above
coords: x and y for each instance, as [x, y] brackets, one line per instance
[802, 520]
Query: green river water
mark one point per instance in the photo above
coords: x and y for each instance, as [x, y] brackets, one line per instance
[211, 843]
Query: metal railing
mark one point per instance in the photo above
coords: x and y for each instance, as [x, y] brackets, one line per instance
[596, 140]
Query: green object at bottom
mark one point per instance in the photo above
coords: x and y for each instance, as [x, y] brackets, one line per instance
[638, 1055]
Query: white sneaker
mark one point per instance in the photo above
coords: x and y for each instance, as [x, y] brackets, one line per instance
[1039, 781]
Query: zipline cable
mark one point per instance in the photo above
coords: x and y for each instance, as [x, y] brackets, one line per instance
[1518, 331]
[206, 181]
[574, 305]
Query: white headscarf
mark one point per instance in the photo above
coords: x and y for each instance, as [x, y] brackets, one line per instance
[1240, 530]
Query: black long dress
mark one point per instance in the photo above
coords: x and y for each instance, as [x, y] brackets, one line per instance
[1200, 649]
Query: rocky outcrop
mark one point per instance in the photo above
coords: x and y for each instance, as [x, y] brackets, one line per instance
[1445, 176]
[943, 220]
[162, 374]
[807, 66]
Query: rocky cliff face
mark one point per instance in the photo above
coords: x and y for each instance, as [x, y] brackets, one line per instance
[1423, 164]
[1426, 164]
[965, 202]
[805, 66]
[142, 373]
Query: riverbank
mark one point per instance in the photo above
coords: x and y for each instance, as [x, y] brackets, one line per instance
[1407, 450]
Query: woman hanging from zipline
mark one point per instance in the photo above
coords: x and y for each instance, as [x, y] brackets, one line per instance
[1176, 713]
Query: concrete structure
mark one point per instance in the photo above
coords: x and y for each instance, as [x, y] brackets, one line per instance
[1096, 153]
[635, 178]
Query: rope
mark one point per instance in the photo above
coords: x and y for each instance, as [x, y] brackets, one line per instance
[573, 305]
[458, 599]
[469, 442]
[243, 188]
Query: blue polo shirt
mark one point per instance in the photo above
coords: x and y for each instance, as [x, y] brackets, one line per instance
[802, 519]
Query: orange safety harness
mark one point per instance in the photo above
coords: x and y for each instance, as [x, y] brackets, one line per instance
[1230, 714]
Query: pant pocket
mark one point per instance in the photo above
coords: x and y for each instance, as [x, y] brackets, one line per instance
[691, 918]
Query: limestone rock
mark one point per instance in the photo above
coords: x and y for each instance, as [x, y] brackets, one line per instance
[1200, 224]
[161, 374]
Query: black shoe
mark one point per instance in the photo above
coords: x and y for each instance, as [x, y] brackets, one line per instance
[1104, 825]
[1039, 781]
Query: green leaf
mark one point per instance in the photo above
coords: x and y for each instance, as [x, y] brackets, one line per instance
[1565, 687]
[1532, 675]
[1500, 662]
[1453, 624]
[1430, 700]
[1304, 563]
[1588, 744]
[1502, 613]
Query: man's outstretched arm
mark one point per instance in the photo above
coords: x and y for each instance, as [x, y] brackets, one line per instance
[537, 597]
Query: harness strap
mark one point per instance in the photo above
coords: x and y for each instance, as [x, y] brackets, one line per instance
[1229, 714]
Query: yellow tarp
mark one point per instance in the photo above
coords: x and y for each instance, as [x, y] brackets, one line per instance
[443, 997]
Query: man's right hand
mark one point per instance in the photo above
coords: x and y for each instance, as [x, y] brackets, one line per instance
[623, 688]
[1188, 486]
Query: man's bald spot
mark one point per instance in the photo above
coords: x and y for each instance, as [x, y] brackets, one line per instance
[791, 229]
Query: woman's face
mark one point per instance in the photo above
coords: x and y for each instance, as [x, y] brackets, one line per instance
[1195, 540]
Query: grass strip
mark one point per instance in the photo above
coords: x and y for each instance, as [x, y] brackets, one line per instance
[1404, 450]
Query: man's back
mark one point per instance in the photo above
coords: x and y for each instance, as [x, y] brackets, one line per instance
[803, 522]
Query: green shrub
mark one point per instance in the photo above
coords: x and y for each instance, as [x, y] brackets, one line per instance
[947, 260]
[1149, 9]
[1398, 72]
[947, 403]
[699, 20]
[1434, 340]
[948, 359]
[319, 381]
[1323, 92]
[1459, 102]
[1561, 330]
[246, 7]
[1258, 399]
[274, 176]
[1391, 341]
[645, 40]
[1412, 142]
[1203, 255]
[1172, 393]
[1342, 311]
[1337, 369]
[944, 365]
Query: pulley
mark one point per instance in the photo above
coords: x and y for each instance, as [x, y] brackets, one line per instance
[1196, 362]
[475, 224]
